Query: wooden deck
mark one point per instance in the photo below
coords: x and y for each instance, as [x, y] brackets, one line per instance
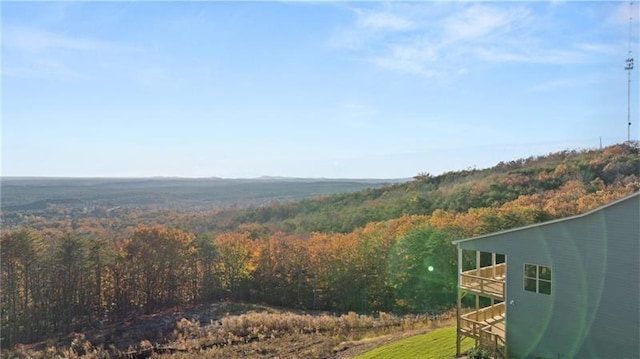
[487, 326]
[486, 281]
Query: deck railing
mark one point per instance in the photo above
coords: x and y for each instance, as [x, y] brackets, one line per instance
[494, 342]
[486, 314]
[480, 325]
[483, 285]
[471, 328]
[496, 271]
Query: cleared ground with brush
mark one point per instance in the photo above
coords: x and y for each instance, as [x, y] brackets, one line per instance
[232, 330]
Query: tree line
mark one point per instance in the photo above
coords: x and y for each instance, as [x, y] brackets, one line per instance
[61, 284]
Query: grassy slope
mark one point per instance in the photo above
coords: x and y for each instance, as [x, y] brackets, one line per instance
[440, 343]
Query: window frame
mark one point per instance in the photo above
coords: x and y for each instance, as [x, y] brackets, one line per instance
[541, 275]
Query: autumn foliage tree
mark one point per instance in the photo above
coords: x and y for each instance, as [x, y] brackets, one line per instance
[158, 264]
[238, 254]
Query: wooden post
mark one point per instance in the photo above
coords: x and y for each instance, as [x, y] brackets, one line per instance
[458, 314]
[459, 303]
[493, 265]
[476, 295]
[477, 308]
[493, 273]
[459, 266]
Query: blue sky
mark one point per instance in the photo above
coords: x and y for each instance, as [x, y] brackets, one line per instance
[307, 89]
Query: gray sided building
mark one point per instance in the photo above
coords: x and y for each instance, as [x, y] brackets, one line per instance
[568, 288]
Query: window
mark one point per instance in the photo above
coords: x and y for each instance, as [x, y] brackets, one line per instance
[537, 278]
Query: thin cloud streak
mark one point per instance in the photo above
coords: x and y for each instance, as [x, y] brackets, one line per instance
[554, 85]
[31, 52]
[604, 49]
[44, 69]
[480, 22]
[431, 47]
[551, 57]
[36, 41]
[382, 21]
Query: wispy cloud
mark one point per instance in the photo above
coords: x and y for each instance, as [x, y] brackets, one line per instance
[409, 58]
[563, 83]
[501, 55]
[599, 48]
[448, 41]
[554, 85]
[43, 68]
[34, 40]
[370, 26]
[480, 21]
[383, 21]
[32, 52]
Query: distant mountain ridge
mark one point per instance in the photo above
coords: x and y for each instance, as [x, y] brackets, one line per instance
[37, 193]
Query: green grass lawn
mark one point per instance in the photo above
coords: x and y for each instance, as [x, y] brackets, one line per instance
[437, 344]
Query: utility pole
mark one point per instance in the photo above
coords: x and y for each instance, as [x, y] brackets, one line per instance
[628, 68]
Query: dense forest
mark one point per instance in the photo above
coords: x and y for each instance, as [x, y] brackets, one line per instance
[90, 196]
[363, 251]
